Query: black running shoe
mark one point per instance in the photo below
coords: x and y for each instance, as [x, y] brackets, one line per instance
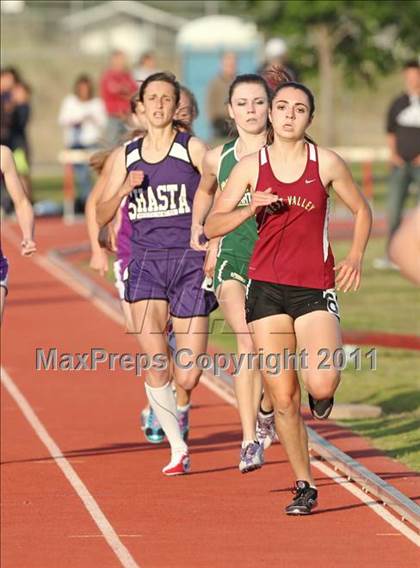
[320, 409]
[304, 501]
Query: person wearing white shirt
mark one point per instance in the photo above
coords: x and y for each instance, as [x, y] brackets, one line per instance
[83, 118]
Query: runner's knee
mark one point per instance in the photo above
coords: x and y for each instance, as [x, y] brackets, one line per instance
[323, 384]
[285, 403]
[188, 379]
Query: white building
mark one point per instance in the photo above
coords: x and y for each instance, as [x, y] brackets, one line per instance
[133, 27]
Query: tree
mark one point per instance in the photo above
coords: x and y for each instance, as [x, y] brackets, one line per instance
[362, 37]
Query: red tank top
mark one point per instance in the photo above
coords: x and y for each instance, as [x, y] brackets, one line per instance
[293, 246]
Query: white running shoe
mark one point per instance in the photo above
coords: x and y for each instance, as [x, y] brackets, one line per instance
[266, 431]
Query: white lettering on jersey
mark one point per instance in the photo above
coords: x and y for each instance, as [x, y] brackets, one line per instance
[183, 203]
[166, 201]
[163, 199]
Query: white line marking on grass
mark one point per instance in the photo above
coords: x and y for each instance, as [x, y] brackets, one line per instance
[127, 561]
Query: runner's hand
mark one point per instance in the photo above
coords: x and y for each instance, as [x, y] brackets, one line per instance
[28, 247]
[106, 238]
[99, 261]
[134, 179]
[261, 199]
[348, 273]
[210, 262]
[197, 231]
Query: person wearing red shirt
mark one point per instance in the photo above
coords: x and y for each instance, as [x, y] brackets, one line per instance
[291, 298]
[117, 87]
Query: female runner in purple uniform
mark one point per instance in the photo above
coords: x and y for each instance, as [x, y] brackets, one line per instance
[165, 275]
[102, 162]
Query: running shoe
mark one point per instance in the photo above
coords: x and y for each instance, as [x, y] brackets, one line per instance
[304, 501]
[320, 409]
[266, 431]
[178, 466]
[251, 457]
[184, 422]
[151, 426]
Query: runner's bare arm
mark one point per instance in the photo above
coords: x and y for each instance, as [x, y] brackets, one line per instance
[197, 150]
[91, 203]
[212, 247]
[333, 170]
[114, 191]
[204, 196]
[23, 207]
[225, 215]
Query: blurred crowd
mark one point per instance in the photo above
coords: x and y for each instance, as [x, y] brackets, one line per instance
[98, 116]
[15, 112]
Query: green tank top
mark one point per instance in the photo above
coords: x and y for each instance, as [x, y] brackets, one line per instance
[239, 242]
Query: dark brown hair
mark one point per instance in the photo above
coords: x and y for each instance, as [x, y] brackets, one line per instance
[170, 78]
[164, 76]
[308, 93]
[87, 81]
[269, 80]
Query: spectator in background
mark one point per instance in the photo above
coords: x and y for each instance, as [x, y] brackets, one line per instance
[217, 95]
[117, 87]
[83, 118]
[146, 67]
[21, 114]
[277, 55]
[11, 123]
[403, 128]
[9, 76]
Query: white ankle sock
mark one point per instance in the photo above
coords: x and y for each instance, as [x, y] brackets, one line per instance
[162, 400]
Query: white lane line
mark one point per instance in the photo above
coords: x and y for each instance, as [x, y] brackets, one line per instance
[102, 536]
[376, 507]
[125, 558]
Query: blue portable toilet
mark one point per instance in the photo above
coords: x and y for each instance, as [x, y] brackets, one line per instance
[202, 43]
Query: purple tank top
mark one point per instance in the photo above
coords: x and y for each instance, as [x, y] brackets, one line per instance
[160, 210]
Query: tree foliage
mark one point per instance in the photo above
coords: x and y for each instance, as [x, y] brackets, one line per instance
[366, 36]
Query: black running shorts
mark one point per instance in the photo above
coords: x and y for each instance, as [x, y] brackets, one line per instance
[267, 299]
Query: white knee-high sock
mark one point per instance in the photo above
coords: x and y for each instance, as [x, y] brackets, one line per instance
[162, 400]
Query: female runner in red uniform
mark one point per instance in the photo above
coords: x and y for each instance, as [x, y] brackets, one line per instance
[291, 298]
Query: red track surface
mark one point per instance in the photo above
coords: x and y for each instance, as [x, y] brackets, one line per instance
[214, 518]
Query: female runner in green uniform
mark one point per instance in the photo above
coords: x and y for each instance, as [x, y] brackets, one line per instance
[228, 257]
